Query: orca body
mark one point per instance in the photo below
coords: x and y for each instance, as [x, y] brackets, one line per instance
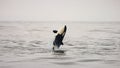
[59, 38]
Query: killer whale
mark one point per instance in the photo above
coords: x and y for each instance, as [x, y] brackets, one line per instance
[59, 38]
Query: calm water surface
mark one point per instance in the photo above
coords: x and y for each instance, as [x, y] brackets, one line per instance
[87, 45]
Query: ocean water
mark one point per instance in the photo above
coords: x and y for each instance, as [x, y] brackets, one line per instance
[87, 45]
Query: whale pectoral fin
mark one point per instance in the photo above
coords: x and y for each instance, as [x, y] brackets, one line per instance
[53, 48]
[55, 31]
[62, 43]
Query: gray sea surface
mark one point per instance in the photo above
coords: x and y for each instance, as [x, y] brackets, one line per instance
[86, 45]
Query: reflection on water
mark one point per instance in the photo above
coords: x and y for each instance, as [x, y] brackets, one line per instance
[84, 43]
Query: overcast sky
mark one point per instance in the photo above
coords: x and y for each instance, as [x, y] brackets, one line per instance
[59, 10]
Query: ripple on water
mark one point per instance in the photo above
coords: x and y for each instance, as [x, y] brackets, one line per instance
[111, 61]
[90, 60]
[57, 58]
[65, 63]
[6, 66]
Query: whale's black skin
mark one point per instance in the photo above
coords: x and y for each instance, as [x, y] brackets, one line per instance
[59, 38]
[55, 31]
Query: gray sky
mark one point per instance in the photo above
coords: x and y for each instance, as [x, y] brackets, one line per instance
[60, 10]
